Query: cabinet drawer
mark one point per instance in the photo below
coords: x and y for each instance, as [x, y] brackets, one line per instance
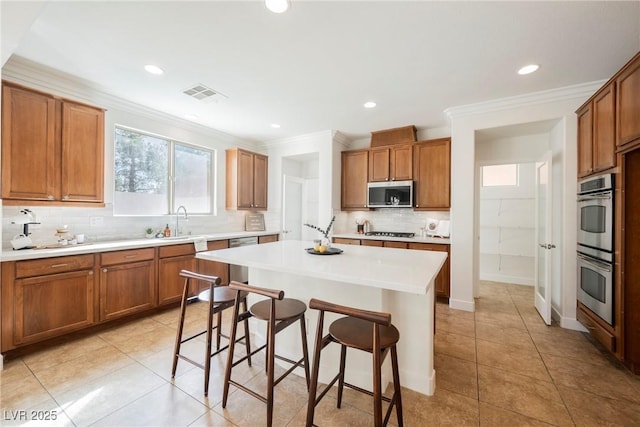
[268, 239]
[429, 247]
[217, 244]
[367, 242]
[121, 257]
[343, 241]
[599, 332]
[177, 250]
[40, 267]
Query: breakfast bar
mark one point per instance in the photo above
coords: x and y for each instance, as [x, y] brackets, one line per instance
[397, 281]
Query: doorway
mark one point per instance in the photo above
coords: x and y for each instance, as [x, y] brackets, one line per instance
[300, 196]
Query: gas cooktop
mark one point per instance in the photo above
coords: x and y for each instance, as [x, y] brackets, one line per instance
[389, 234]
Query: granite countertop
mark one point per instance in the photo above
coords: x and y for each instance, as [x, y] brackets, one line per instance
[416, 239]
[95, 247]
[385, 268]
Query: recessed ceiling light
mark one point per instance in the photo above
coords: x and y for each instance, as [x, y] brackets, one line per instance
[275, 125]
[528, 69]
[153, 69]
[277, 6]
[369, 104]
[191, 117]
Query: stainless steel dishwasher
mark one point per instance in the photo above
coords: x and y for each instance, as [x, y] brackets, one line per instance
[240, 273]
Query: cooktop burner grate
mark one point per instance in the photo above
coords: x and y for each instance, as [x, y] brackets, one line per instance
[390, 234]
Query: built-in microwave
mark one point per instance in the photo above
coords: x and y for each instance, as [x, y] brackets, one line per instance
[390, 194]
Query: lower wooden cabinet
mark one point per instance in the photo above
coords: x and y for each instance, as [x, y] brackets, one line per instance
[443, 279]
[213, 268]
[46, 298]
[268, 239]
[173, 259]
[127, 282]
[343, 241]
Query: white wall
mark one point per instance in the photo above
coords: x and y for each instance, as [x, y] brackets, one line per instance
[557, 105]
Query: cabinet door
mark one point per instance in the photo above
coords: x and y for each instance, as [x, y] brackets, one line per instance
[126, 289]
[628, 104]
[401, 163]
[29, 161]
[432, 174]
[170, 284]
[604, 138]
[268, 239]
[354, 179]
[260, 174]
[82, 153]
[585, 140]
[367, 242]
[245, 179]
[52, 305]
[213, 268]
[379, 164]
[343, 241]
[442, 282]
[399, 245]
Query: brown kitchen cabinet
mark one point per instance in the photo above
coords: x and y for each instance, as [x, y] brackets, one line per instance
[345, 241]
[369, 242]
[127, 282]
[212, 268]
[442, 281]
[52, 149]
[247, 175]
[268, 239]
[173, 259]
[432, 174]
[46, 298]
[355, 166]
[628, 103]
[596, 133]
[393, 163]
[397, 245]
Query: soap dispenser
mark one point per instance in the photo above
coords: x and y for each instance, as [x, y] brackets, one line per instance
[167, 231]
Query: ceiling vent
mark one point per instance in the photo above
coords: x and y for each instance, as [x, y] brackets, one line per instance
[202, 92]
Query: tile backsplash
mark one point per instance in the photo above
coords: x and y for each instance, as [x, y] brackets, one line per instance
[389, 219]
[99, 224]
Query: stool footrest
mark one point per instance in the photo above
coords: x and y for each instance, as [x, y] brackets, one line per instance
[248, 390]
[292, 362]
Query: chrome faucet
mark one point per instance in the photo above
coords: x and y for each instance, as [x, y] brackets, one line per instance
[178, 218]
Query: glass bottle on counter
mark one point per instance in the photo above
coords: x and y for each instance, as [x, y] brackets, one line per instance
[167, 231]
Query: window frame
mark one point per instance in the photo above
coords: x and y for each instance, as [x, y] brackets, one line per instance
[171, 167]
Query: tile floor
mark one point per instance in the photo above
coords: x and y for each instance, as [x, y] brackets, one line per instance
[499, 366]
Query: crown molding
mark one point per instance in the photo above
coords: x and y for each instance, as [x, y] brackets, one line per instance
[580, 91]
[26, 72]
[299, 139]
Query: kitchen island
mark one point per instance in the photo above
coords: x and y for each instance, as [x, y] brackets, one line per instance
[397, 281]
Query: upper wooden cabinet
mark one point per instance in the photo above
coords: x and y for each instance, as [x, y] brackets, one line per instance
[432, 174]
[393, 163]
[628, 102]
[52, 149]
[355, 165]
[247, 175]
[596, 133]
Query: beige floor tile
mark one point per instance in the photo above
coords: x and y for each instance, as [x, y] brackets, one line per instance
[444, 408]
[456, 325]
[455, 345]
[164, 406]
[211, 419]
[521, 290]
[573, 349]
[603, 380]
[43, 414]
[592, 410]
[506, 320]
[456, 375]
[326, 414]
[493, 416]
[556, 331]
[64, 352]
[515, 337]
[505, 357]
[492, 305]
[522, 394]
[445, 310]
[21, 391]
[98, 398]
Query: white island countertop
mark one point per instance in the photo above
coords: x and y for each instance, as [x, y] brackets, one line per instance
[385, 268]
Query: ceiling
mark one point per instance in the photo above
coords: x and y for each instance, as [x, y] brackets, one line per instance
[312, 68]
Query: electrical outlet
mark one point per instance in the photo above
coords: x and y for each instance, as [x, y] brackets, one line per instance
[96, 221]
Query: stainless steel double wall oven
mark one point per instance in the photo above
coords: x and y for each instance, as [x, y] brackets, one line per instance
[595, 245]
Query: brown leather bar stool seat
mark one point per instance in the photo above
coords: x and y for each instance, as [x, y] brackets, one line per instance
[223, 298]
[279, 313]
[364, 330]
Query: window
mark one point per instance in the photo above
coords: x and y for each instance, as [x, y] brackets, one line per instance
[155, 175]
[500, 175]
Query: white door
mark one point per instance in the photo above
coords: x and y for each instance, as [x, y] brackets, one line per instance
[543, 239]
[292, 208]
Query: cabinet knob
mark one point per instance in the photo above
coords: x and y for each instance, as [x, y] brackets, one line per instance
[91, 273]
[104, 270]
[50, 197]
[65, 197]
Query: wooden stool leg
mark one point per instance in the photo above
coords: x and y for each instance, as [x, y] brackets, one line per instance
[396, 384]
[232, 344]
[343, 359]
[305, 350]
[247, 339]
[218, 329]
[377, 378]
[207, 360]
[313, 387]
[271, 357]
[183, 310]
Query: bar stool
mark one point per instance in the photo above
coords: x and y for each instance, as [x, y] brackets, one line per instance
[223, 298]
[278, 312]
[364, 330]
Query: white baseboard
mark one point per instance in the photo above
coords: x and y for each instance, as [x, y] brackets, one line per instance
[567, 322]
[462, 305]
[504, 278]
